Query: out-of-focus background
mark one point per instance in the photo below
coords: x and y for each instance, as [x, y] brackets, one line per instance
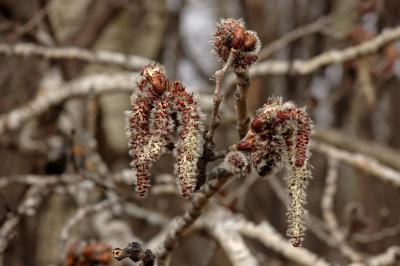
[63, 149]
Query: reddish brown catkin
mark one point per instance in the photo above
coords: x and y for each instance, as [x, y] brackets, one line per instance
[188, 139]
[279, 136]
[159, 107]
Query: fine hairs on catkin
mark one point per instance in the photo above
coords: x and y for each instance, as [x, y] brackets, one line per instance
[161, 107]
[279, 136]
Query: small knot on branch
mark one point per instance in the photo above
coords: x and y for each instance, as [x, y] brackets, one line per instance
[135, 252]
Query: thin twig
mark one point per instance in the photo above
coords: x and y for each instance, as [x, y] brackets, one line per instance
[129, 62]
[220, 225]
[389, 257]
[208, 147]
[217, 178]
[381, 235]
[242, 87]
[359, 161]
[269, 237]
[330, 217]
[219, 77]
[80, 214]
[293, 35]
[304, 67]
[95, 83]
[32, 200]
[38, 180]
[384, 154]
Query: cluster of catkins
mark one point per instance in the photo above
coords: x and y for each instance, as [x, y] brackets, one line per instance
[279, 136]
[163, 113]
[232, 37]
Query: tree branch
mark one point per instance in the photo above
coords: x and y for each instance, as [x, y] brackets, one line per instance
[96, 84]
[129, 62]
[330, 217]
[359, 161]
[304, 67]
[177, 228]
[242, 87]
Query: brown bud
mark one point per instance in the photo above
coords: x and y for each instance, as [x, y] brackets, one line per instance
[155, 75]
[244, 145]
[158, 83]
[250, 42]
[257, 124]
[238, 38]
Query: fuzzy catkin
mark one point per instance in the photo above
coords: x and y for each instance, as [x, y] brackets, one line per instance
[159, 108]
[279, 136]
[188, 143]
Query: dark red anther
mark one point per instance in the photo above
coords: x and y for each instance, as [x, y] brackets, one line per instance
[283, 115]
[181, 103]
[257, 124]
[178, 86]
[238, 38]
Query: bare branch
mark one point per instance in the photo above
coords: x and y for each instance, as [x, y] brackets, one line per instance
[304, 67]
[219, 77]
[178, 227]
[220, 225]
[293, 35]
[37, 180]
[32, 200]
[329, 214]
[96, 83]
[389, 257]
[242, 87]
[383, 154]
[268, 236]
[80, 215]
[377, 236]
[359, 161]
[149, 216]
[130, 62]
